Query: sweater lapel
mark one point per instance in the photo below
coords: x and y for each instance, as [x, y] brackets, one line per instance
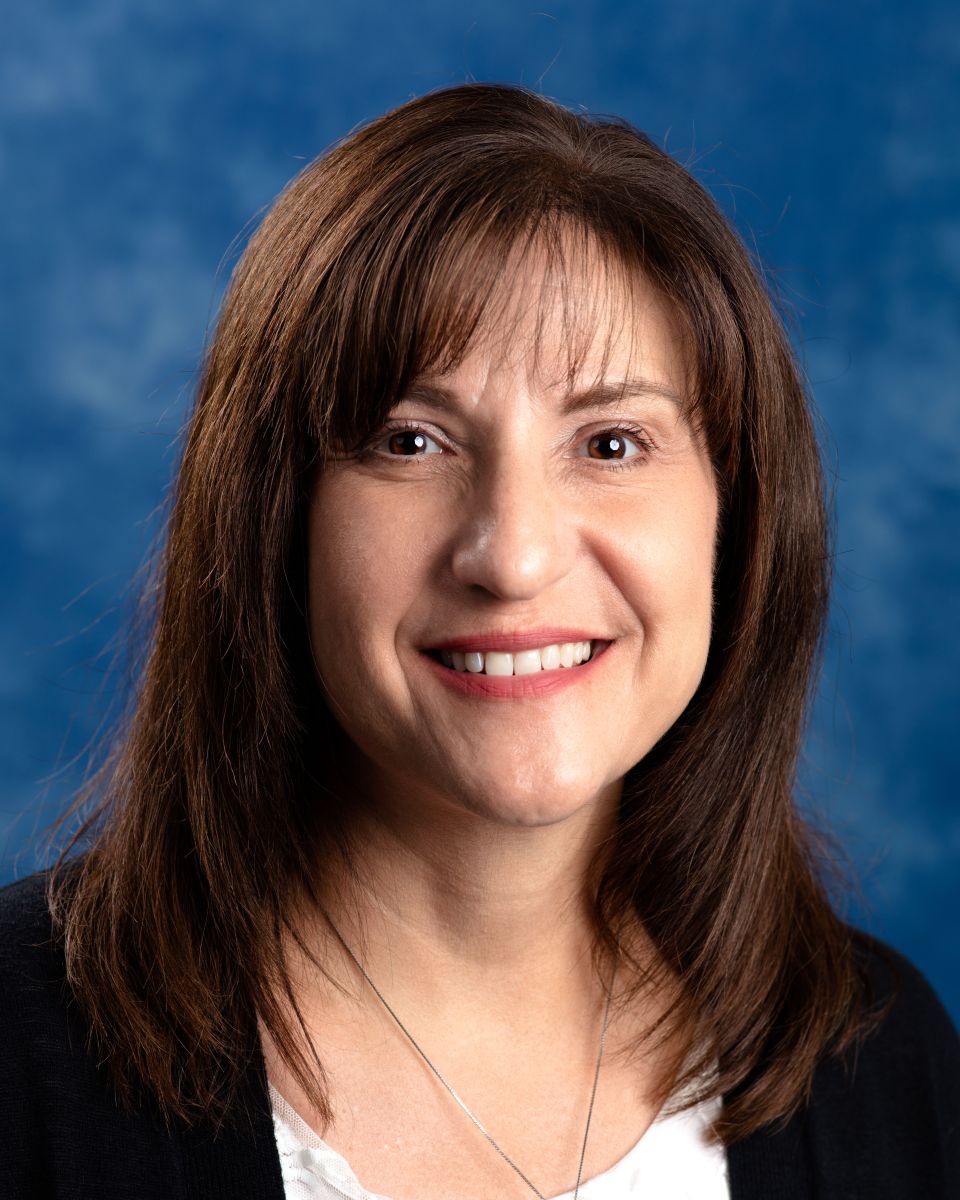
[241, 1159]
[773, 1163]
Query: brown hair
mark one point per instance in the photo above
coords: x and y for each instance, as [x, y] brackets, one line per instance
[377, 263]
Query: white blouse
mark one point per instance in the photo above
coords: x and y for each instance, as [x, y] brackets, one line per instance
[672, 1161]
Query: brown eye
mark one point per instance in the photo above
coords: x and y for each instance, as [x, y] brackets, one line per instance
[609, 446]
[405, 443]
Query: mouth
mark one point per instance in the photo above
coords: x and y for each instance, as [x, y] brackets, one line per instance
[558, 656]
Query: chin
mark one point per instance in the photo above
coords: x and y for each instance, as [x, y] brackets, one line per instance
[534, 809]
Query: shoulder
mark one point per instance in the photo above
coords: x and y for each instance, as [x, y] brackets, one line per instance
[60, 1125]
[23, 904]
[916, 1036]
[38, 1029]
[885, 1112]
[882, 1118]
[29, 956]
[34, 1042]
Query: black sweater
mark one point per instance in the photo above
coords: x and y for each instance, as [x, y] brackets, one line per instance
[883, 1126]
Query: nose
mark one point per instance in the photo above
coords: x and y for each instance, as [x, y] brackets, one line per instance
[517, 536]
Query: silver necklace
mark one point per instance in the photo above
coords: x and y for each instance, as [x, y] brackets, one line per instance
[503, 1154]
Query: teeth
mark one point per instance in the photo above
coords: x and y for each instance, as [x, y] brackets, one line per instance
[550, 658]
[524, 662]
[498, 664]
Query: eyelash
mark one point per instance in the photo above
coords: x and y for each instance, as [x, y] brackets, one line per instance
[634, 432]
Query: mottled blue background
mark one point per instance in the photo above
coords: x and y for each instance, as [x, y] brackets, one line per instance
[139, 142]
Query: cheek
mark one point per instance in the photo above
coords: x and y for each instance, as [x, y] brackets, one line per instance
[363, 572]
[692, 564]
[673, 574]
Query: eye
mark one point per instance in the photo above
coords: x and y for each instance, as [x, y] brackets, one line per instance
[404, 442]
[615, 445]
[611, 447]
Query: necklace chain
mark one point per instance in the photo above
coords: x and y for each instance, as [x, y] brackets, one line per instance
[503, 1154]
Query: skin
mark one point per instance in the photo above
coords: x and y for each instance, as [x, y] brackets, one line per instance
[477, 819]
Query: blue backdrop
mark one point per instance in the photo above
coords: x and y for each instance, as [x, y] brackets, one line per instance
[140, 139]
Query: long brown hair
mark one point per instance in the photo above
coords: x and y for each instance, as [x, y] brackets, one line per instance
[378, 262]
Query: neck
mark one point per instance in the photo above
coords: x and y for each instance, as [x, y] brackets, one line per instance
[478, 907]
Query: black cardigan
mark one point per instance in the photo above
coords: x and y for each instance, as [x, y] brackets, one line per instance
[886, 1129]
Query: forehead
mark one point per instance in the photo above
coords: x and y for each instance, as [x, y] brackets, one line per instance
[577, 311]
[575, 318]
[573, 312]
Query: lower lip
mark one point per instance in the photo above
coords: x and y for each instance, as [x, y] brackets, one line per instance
[515, 687]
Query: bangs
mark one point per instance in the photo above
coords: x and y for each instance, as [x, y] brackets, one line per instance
[441, 295]
[475, 302]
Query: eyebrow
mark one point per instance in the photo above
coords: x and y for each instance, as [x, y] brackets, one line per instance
[599, 395]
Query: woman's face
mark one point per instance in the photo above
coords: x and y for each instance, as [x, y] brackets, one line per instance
[508, 516]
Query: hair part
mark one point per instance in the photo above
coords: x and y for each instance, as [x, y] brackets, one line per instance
[384, 260]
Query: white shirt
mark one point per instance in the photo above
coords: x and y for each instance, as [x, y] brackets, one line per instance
[672, 1161]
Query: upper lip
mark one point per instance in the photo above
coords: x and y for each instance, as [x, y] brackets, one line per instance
[527, 639]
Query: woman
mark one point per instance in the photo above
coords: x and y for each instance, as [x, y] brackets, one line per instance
[450, 848]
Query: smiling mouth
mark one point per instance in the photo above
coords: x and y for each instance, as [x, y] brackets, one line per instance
[564, 655]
